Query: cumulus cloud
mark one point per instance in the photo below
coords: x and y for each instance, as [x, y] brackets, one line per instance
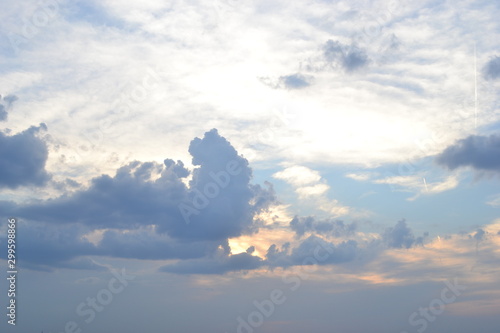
[229, 213]
[139, 211]
[491, 70]
[313, 250]
[309, 185]
[22, 158]
[349, 57]
[479, 152]
[129, 199]
[219, 203]
[298, 175]
[401, 236]
[335, 228]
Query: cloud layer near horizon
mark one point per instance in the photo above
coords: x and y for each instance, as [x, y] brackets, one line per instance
[150, 211]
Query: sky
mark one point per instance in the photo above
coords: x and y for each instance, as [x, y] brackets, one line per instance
[250, 166]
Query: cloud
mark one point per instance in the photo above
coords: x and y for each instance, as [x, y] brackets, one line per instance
[491, 70]
[313, 250]
[312, 191]
[478, 152]
[22, 158]
[45, 246]
[298, 176]
[222, 171]
[335, 228]
[3, 113]
[292, 81]
[349, 57]
[10, 99]
[218, 265]
[295, 81]
[401, 236]
[360, 176]
[128, 200]
[219, 203]
[420, 184]
[147, 244]
[310, 186]
[479, 235]
[495, 201]
[137, 212]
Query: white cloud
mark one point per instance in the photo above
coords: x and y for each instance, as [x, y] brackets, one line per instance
[313, 190]
[495, 201]
[419, 184]
[311, 187]
[360, 176]
[298, 176]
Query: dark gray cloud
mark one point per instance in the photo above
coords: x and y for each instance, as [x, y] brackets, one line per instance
[145, 198]
[401, 236]
[22, 158]
[491, 70]
[219, 203]
[295, 81]
[479, 152]
[45, 246]
[313, 250]
[335, 228]
[277, 257]
[349, 57]
[128, 200]
[312, 247]
[221, 192]
[217, 265]
[144, 244]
